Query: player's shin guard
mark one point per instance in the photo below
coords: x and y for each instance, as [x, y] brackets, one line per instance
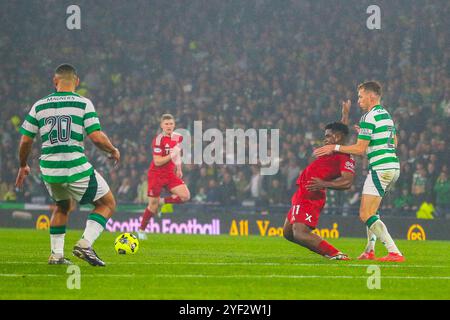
[371, 238]
[95, 225]
[379, 229]
[57, 235]
[146, 218]
[172, 199]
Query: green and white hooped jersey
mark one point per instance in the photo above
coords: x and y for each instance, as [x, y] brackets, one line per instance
[62, 119]
[377, 127]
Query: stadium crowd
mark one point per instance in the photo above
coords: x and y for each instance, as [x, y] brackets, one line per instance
[248, 64]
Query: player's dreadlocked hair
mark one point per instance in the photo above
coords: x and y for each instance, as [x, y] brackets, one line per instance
[338, 127]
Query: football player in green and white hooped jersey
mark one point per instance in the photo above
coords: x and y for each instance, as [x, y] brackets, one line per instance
[62, 119]
[377, 137]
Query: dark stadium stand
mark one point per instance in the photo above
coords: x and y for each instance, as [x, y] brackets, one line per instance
[262, 64]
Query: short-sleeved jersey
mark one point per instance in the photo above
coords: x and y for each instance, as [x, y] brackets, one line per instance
[62, 119]
[161, 146]
[327, 168]
[377, 127]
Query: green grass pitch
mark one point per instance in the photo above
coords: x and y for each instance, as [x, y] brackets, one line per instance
[179, 267]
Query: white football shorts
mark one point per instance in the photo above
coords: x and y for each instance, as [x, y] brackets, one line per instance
[84, 191]
[378, 182]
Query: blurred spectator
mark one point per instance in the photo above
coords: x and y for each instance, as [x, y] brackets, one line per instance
[419, 182]
[442, 189]
[3, 189]
[10, 194]
[228, 194]
[213, 192]
[418, 187]
[334, 202]
[200, 196]
[241, 183]
[275, 193]
[291, 176]
[351, 202]
[432, 175]
[142, 190]
[404, 202]
[256, 184]
[256, 65]
[406, 174]
[125, 192]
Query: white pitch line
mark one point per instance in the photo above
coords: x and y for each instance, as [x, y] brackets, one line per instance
[28, 275]
[272, 276]
[294, 276]
[65, 275]
[337, 264]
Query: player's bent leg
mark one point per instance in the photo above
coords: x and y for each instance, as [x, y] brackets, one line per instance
[369, 251]
[303, 218]
[58, 224]
[304, 236]
[287, 231]
[60, 213]
[96, 223]
[155, 185]
[150, 211]
[106, 205]
[369, 206]
[368, 210]
[180, 194]
[153, 204]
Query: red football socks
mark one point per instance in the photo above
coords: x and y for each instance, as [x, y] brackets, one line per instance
[327, 249]
[146, 218]
[175, 199]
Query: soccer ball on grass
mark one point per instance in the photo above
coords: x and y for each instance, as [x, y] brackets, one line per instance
[126, 243]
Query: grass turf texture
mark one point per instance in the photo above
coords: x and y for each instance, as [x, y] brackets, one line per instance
[218, 267]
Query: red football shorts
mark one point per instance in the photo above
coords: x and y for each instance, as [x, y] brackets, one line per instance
[305, 211]
[156, 182]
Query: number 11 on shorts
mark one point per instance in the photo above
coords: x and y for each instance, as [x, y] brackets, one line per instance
[295, 210]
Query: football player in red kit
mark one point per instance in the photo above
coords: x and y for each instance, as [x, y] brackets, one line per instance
[335, 171]
[164, 172]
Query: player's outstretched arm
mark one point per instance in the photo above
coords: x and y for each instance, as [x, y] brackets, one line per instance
[25, 146]
[344, 182]
[101, 140]
[357, 149]
[346, 111]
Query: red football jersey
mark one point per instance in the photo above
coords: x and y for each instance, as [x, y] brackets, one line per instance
[161, 146]
[326, 168]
